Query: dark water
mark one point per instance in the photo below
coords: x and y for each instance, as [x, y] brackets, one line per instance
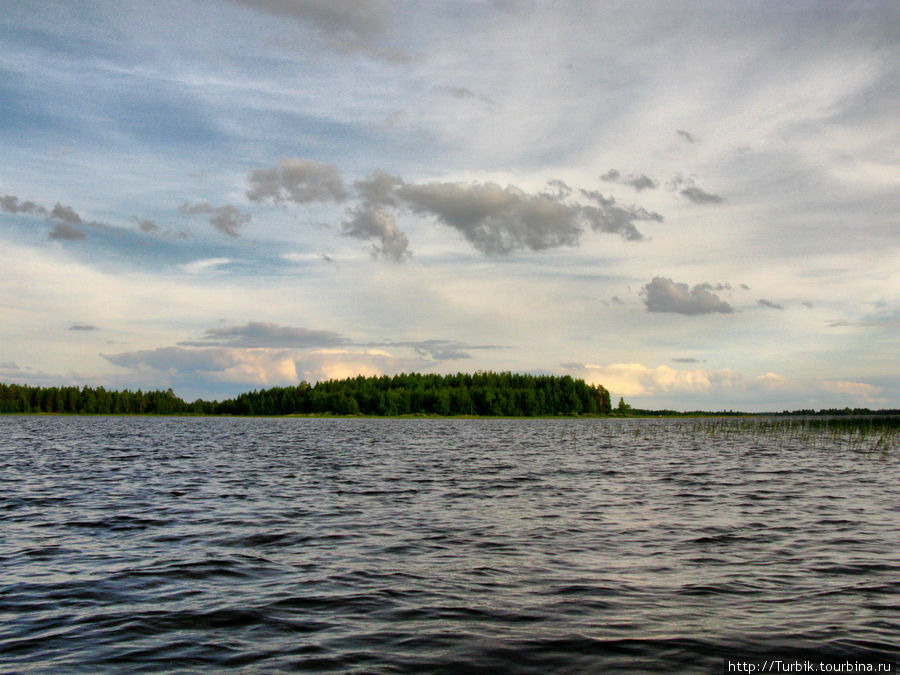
[426, 545]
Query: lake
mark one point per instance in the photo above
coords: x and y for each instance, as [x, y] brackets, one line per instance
[407, 545]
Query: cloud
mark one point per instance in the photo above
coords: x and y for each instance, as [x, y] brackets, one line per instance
[692, 192]
[665, 295]
[636, 379]
[497, 220]
[150, 227]
[346, 27]
[562, 188]
[227, 219]
[460, 92]
[208, 368]
[639, 183]
[768, 303]
[176, 359]
[885, 320]
[494, 219]
[11, 204]
[686, 136]
[147, 226]
[378, 189]
[441, 350]
[268, 335]
[65, 232]
[610, 217]
[65, 218]
[204, 264]
[685, 360]
[854, 389]
[699, 196]
[82, 326]
[296, 180]
[375, 223]
[611, 176]
[65, 214]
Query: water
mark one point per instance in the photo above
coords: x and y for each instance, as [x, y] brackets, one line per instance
[173, 544]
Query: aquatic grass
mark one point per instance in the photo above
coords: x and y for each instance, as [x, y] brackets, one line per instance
[868, 434]
[860, 434]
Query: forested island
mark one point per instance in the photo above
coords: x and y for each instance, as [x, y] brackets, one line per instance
[480, 394]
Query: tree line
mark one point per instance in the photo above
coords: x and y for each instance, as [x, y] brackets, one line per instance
[19, 398]
[482, 393]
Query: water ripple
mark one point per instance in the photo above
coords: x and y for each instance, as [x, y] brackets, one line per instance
[156, 544]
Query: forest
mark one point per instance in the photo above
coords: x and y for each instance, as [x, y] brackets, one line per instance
[482, 394]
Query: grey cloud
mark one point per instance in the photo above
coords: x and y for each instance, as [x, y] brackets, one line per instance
[227, 219]
[617, 300]
[689, 190]
[11, 204]
[665, 295]
[460, 92]
[66, 218]
[494, 219]
[611, 176]
[885, 321]
[808, 305]
[65, 232]
[562, 188]
[65, 214]
[147, 226]
[685, 360]
[639, 183]
[609, 217]
[499, 220]
[297, 180]
[715, 287]
[347, 27]
[686, 136]
[441, 350]
[745, 287]
[375, 223]
[10, 365]
[270, 335]
[173, 358]
[150, 227]
[769, 303]
[378, 189]
[699, 196]
[82, 326]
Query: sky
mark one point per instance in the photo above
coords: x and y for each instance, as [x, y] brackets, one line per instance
[695, 205]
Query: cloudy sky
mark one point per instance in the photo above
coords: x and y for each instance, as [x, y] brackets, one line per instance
[693, 204]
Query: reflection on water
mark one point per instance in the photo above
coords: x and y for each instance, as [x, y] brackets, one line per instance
[385, 545]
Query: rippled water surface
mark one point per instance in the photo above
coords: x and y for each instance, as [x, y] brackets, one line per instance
[440, 545]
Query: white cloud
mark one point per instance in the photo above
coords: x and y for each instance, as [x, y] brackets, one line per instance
[638, 380]
[204, 265]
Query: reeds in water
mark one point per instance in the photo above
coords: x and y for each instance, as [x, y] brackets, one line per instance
[864, 434]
